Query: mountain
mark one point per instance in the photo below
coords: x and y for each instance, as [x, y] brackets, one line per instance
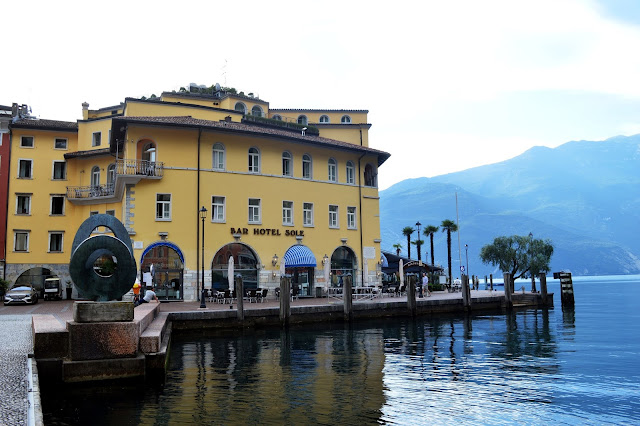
[584, 196]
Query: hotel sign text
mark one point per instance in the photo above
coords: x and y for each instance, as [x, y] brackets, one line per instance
[269, 231]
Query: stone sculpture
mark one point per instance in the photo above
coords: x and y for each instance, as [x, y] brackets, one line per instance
[95, 283]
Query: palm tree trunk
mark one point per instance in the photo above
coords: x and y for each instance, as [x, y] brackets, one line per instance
[409, 246]
[449, 254]
[432, 258]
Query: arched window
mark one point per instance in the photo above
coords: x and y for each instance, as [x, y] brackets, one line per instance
[351, 172]
[287, 164]
[245, 263]
[324, 118]
[256, 110]
[240, 107]
[345, 119]
[111, 174]
[254, 160]
[218, 156]
[333, 170]
[95, 176]
[302, 119]
[149, 152]
[307, 171]
[370, 176]
[277, 117]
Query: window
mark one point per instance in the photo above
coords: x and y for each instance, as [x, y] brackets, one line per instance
[254, 210]
[21, 241]
[55, 242]
[277, 117]
[351, 172]
[23, 204]
[345, 119]
[149, 152]
[302, 119]
[324, 118]
[97, 139]
[59, 170]
[257, 111]
[370, 178]
[217, 209]
[333, 170]
[307, 214]
[60, 143]
[306, 166]
[25, 169]
[240, 107]
[287, 164]
[163, 206]
[333, 216]
[110, 212]
[218, 156]
[111, 174]
[26, 142]
[57, 205]
[287, 212]
[95, 176]
[254, 160]
[351, 217]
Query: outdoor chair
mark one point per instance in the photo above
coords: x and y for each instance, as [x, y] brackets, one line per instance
[264, 294]
[277, 290]
[220, 297]
[253, 297]
[227, 296]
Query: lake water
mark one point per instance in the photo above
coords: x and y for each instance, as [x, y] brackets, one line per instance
[540, 366]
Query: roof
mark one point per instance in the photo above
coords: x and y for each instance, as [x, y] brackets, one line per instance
[43, 124]
[253, 129]
[216, 95]
[89, 153]
[366, 111]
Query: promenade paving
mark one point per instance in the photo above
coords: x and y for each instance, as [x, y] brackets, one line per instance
[16, 340]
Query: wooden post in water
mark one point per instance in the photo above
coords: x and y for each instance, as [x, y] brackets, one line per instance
[466, 292]
[491, 282]
[543, 288]
[285, 300]
[347, 297]
[566, 288]
[239, 297]
[507, 290]
[411, 295]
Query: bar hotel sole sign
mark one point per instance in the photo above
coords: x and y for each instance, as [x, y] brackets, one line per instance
[268, 231]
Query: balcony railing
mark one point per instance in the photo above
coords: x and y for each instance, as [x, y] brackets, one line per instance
[94, 191]
[139, 168]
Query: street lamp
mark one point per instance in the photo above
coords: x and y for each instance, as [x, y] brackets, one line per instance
[203, 215]
[418, 224]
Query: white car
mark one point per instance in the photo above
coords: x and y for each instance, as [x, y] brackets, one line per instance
[21, 295]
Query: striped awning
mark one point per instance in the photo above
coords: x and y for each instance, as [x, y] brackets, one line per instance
[299, 256]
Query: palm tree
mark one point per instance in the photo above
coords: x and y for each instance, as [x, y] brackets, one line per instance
[429, 231]
[418, 244]
[407, 231]
[449, 226]
[398, 247]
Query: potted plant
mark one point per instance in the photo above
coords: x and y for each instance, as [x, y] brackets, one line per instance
[69, 289]
[4, 286]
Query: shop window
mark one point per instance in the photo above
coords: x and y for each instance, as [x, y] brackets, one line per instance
[163, 206]
[306, 167]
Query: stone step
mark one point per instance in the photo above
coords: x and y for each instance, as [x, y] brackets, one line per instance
[152, 337]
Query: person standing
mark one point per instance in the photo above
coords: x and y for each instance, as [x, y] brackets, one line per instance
[425, 284]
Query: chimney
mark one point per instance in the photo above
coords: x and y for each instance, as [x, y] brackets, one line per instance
[85, 110]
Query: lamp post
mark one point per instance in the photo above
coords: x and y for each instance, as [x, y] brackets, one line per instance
[203, 215]
[418, 224]
[466, 252]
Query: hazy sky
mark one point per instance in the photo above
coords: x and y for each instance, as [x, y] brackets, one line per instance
[449, 84]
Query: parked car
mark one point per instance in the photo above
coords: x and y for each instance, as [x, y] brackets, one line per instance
[22, 294]
[52, 289]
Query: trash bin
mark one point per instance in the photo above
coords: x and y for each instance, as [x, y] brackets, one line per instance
[318, 291]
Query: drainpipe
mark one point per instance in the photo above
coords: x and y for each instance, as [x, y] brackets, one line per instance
[197, 209]
[6, 207]
[360, 208]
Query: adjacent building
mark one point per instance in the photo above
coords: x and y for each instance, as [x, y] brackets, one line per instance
[285, 190]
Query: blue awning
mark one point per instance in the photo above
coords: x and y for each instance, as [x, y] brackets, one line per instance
[162, 243]
[385, 262]
[299, 256]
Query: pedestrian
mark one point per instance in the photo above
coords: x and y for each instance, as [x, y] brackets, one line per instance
[149, 295]
[136, 293]
[425, 284]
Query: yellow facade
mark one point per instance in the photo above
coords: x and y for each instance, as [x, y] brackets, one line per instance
[154, 169]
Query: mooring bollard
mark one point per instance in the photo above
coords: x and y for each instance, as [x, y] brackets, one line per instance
[347, 297]
[566, 287]
[411, 295]
[466, 292]
[285, 300]
[507, 290]
[491, 282]
[543, 288]
[239, 299]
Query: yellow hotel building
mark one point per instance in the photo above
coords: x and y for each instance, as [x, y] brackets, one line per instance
[281, 187]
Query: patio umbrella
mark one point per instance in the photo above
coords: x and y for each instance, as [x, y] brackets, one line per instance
[365, 266]
[282, 267]
[327, 274]
[230, 273]
[401, 272]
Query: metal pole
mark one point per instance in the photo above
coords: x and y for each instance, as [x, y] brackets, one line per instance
[202, 296]
[466, 251]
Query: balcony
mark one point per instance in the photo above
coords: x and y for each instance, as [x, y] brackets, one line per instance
[128, 172]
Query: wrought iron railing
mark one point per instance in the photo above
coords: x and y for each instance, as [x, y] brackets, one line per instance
[93, 191]
[139, 168]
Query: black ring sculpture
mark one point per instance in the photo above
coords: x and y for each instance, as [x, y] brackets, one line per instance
[86, 249]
